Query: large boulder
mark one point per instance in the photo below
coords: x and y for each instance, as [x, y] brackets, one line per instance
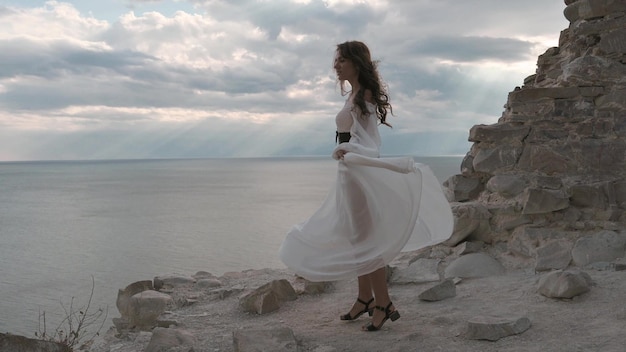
[603, 246]
[146, 307]
[553, 255]
[474, 265]
[167, 339]
[493, 328]
[564, 284]
[469, 218]
[420, 271]
[589, 9]
[268, 297]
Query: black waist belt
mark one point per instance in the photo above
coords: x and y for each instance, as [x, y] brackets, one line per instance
[342, 137]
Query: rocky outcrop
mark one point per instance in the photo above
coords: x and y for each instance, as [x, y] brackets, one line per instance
[554, 165]
[16, 343]
[490, 306]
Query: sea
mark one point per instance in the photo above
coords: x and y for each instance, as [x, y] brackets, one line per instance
[70, 228]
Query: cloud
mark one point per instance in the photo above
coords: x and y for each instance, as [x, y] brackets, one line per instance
[471, 49]
[254, 78]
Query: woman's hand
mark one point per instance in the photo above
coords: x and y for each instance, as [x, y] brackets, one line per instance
[341, 153]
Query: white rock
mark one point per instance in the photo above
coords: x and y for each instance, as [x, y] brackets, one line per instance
[146, 307]
[493, 328]
[474, 265]
[564, 284]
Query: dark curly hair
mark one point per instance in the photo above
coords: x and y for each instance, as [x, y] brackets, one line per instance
[369, 79]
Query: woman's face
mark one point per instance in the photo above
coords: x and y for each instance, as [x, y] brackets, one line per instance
[346, 71]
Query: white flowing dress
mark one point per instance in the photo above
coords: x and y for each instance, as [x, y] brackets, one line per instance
[377, 208]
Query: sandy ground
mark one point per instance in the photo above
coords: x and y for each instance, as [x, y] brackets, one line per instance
[595, 321]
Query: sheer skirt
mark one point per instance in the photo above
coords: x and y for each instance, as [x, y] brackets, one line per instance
[369, 216]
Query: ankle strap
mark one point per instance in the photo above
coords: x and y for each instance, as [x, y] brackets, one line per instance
[366, 304]
[384, 309]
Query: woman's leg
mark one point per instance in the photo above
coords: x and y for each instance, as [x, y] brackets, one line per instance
[365, 287]
[378, 281]
[365, 295]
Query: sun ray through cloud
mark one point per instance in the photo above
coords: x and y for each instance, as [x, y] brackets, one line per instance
[260, 72]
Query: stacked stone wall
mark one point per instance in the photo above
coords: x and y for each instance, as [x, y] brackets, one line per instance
[556, 158]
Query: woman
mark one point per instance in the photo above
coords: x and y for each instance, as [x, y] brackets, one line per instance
[377, 207]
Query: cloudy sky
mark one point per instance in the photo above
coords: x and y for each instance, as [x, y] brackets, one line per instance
[92, 79]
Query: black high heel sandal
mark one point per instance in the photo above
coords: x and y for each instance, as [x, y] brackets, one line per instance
[367, 309]
[388, 315]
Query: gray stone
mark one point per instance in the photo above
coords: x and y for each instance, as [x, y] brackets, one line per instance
[493, 328]
[539, 201]
[502, 157]
[461, 188]
[468, 247]
[268, 297]
[544, 134]
[600, 155]
[547, 160]
[463, 227]
[275, 340]
[259, 302]
[535, 109]
[163, 340]
[284, 290]
[614, 100]
[208, 283]
[314, 288]
[547, 182]
[571, 215]
[468, 217]
[589, 9]
[222, 293]
[554, 255]
[498, 133]
[525, 240]
[600, 266]
[420, 271]
[603, 246]
[534, 94]
[620, 264]
[123, 297]
[596, 128]
[17, 343]
[574, 108]
[589, 196]
[590, 69]
[474, 265]
[507, 185]
[564, 284]
[619, 193]
[467, 165]
[441, 291]
[510, 223]
[170, 281]
[146, 307]
[203, 275]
